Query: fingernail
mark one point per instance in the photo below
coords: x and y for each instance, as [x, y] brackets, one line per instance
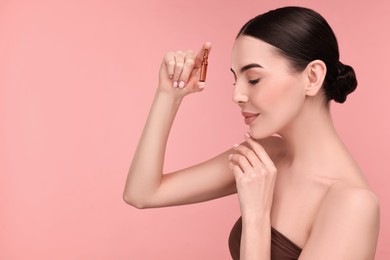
[202, 86]
[247, 134]
[181, 84]
[230, 156]
[175, 84]
[235, 145]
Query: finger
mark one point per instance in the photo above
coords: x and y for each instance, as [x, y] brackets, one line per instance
[169, 61]
[251, 156]
[241, 161]
[179, 63]
[260, 152]
[200, 85]
[237, 172]
[189, 62]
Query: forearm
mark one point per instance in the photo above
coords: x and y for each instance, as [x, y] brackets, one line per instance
[146, 169]
[256, 238]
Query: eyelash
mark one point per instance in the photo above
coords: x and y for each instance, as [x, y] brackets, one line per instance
[252, 82]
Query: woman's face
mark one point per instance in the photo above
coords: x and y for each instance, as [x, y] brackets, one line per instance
[267, 89]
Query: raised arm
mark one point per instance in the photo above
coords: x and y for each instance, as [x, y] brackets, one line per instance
[146, 185]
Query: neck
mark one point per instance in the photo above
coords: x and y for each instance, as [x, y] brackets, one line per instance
[311, 137]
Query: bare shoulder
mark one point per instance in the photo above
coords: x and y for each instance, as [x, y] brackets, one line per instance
[346, 226]
[345, 201]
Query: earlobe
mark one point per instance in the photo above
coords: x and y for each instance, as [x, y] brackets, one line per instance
[316, 72]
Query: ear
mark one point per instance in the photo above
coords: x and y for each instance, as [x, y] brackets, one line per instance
[315, 73]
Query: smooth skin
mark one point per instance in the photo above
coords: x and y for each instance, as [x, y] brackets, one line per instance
[302, 181]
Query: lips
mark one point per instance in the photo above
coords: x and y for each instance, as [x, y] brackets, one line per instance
[249, 117]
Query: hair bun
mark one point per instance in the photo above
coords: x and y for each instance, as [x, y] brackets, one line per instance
[344, 84]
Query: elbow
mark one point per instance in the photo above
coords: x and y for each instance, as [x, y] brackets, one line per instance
[133, 201]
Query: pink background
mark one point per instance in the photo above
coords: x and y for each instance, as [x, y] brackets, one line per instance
[76, 82]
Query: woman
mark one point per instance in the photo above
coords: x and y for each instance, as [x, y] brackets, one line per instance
[301, 194]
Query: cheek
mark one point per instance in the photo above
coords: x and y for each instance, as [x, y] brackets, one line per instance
[284, 94]
[292, 96]
[288, 107]
[281, 103]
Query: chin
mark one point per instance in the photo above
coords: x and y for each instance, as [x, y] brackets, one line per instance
[259, 134]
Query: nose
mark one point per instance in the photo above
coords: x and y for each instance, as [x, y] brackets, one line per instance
[239, 94]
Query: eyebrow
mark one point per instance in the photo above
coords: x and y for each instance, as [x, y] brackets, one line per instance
[247, 67]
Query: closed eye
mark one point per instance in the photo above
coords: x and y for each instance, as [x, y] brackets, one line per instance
[254, 82]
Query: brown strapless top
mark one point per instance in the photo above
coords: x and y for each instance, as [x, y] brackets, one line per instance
[282, 248]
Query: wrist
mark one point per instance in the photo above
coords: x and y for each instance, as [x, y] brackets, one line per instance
[263, 219]
[169, 97]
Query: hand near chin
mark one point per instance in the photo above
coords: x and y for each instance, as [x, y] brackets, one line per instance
[255, 175]
[179, 71]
